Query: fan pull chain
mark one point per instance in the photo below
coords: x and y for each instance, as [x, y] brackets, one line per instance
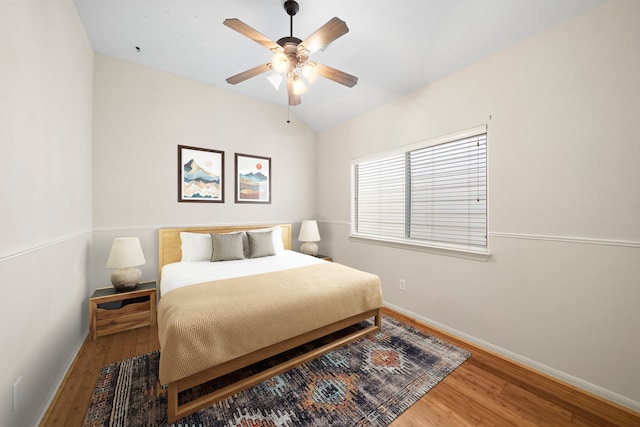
[288, 114]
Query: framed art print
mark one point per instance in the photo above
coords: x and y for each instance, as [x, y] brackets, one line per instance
[200, 175]
[253, 179]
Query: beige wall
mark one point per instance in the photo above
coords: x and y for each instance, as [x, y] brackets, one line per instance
[140, 117]
[45, 165]
[561, 288]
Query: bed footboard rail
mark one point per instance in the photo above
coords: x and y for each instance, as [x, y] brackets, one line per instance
[177, 411]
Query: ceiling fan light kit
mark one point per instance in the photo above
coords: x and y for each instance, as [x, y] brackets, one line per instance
[275, 79]
[279, 62]
[310, 71]
[291, 55]
[298, 86]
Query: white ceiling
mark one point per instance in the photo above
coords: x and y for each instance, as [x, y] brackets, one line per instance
[394, 47]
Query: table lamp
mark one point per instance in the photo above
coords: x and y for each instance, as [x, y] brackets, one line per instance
[309, 234]
[126, 254]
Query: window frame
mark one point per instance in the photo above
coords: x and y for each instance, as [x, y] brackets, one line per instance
[477, 252]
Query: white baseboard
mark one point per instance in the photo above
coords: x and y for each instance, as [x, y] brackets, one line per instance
[569, 379]
[61, 378]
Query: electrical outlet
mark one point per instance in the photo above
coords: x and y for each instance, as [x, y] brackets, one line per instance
[403, 285]
[17, 393]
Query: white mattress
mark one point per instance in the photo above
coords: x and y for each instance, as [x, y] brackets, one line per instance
[178, 274]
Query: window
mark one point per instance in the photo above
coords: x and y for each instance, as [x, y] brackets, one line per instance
[433, 193]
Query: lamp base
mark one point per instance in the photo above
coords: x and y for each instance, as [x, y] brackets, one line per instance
[309, 248]
[126, 279]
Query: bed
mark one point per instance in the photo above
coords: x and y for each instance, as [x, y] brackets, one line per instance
[217, 317]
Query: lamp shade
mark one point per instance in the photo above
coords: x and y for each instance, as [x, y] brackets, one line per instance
[309, 231]
[279, 62]
[298, 85]
[125, 252]
[275, 79]
[310, 71]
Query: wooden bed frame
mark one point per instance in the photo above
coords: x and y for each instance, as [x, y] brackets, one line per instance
[169, 251]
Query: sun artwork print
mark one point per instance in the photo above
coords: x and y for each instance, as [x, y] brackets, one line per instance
[201, 175]
[253, 179]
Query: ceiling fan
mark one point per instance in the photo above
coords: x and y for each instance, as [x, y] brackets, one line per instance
[291, 55]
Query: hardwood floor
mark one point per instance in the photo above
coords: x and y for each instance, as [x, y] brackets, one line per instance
[486, 390]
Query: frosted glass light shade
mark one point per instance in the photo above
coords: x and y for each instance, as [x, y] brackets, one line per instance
[279, 62]
[298, 86]
[310, 71]
[275, 79]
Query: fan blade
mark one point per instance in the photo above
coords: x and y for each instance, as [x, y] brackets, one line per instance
[245, 30]
[326, 34]
[337, 75]
[245, 75]
[293, 99]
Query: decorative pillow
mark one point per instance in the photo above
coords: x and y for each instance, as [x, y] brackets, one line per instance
[245, 244]
[195, 247]
[278, 244]
[226, 246]
[260, 244]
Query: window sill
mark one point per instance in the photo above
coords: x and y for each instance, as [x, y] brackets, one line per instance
[472, 254]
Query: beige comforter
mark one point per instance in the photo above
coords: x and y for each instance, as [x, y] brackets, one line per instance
[207, 324]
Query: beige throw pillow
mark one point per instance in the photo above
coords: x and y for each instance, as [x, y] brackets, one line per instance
[260, 244]
[226, 246]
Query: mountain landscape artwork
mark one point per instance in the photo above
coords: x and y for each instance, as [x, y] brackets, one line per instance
[201, 174]
[253, 183]
[198, 182]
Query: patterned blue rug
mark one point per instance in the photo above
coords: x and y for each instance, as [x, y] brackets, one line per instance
[368, 382]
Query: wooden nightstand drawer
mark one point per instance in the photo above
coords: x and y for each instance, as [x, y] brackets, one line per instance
[111, 311]
[128, 317]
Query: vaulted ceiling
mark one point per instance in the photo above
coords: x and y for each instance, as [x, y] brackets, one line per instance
[394, 47]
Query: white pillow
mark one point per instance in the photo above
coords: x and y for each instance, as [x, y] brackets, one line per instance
[278, 244]
[196, 246]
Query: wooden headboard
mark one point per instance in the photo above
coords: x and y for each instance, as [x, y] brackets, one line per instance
[169, 239]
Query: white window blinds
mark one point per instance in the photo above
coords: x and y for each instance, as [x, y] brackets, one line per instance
[430, 194]
[380, 207]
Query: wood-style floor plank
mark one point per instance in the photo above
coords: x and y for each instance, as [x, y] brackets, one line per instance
[486, 390]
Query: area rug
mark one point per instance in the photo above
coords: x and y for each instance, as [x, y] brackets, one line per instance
[368, 382]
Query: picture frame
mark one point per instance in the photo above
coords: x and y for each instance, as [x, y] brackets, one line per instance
[200, 175]
[253, 178]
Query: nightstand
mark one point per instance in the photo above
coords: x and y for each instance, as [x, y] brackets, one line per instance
[324, 257]
[111, 311]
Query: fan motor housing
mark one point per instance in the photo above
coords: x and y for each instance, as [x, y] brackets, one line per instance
[289, 40]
